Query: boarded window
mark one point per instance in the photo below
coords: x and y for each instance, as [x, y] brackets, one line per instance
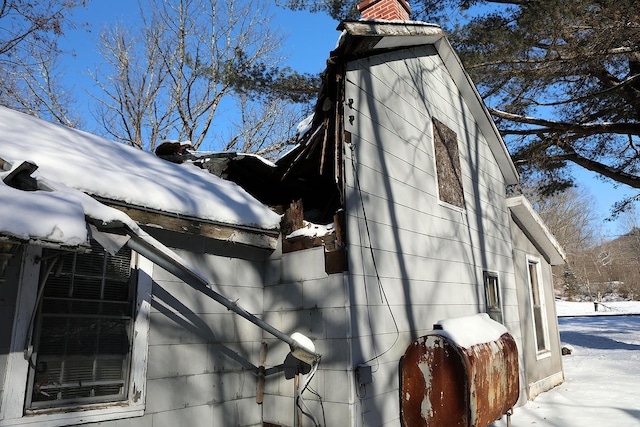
[448, 165]
[83, 330]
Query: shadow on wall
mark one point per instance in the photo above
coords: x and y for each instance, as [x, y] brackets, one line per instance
[191, 322]
[633, 412]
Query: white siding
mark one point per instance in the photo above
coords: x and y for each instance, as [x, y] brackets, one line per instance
[302, 297]
[429, 256]
[200, 353]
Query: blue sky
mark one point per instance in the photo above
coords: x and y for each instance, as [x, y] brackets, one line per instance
[310, 38]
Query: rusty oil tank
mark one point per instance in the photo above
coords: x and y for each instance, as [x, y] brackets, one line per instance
[449, 380]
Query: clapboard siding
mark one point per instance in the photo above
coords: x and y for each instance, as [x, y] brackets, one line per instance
[200, 353]
[429, 257]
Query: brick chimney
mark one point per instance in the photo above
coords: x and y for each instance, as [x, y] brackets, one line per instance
[388, 10]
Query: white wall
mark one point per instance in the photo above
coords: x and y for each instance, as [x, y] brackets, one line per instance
[300, 296]
[429, 256]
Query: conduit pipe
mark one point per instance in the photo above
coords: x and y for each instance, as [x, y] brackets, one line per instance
[301, 347]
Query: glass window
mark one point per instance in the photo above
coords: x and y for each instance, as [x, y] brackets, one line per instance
[82, 337]
[541, 331]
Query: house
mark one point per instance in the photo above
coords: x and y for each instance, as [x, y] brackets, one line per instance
[93, 330]
[403, 149]
[392, 217]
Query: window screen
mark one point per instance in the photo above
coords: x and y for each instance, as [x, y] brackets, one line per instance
[83, 330]
[445, 142]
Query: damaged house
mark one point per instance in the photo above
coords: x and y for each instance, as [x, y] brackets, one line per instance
[141, 291]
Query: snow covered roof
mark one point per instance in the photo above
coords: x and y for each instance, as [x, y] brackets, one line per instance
[73, 159]
[536, 229]
[54, 215]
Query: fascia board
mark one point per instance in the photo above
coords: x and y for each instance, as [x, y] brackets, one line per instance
[535, 228]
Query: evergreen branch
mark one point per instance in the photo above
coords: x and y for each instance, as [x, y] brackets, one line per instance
[620, 85]
[582, 129]
[598, 167]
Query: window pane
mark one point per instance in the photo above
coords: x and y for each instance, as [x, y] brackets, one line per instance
[538, 310]
[83, 330]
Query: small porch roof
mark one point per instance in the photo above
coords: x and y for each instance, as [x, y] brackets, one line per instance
[533, 226]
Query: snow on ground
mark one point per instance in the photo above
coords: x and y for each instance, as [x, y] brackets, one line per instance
[566, 308]
[601, 375]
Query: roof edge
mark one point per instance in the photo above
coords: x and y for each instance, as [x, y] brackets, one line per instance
[536, 229]
[404, 34]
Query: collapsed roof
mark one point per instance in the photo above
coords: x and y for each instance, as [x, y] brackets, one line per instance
[68, 163]
[312, 170]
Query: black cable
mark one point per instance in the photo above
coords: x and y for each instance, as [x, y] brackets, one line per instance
[383, 294]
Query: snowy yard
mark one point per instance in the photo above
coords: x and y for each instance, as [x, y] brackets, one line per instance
[601, 375]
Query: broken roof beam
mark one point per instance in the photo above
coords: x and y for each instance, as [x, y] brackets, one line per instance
[264, 239]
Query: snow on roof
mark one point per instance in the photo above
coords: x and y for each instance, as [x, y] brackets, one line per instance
[312, 230]
[54, 215]
[205, 155]
[118, 172]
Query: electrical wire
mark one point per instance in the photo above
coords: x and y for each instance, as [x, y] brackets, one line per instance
[300, 403]
[383, 295]
[324, 418]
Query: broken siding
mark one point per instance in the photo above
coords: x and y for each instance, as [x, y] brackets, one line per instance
[429, 257]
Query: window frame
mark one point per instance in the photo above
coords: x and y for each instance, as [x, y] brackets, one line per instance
[12, 411]
[544, 325]
[486, 275]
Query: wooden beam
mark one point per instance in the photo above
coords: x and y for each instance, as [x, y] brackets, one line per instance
[227, 233]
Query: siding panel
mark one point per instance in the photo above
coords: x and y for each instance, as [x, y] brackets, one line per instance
[429, 257]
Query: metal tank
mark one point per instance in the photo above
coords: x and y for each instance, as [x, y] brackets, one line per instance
[446, 383]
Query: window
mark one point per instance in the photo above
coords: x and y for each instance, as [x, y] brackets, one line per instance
[448, 169]
[492, 296]
[539, 314]
[85, 346]
[83, 331]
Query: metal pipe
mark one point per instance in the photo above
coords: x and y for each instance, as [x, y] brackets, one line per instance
[196, 281]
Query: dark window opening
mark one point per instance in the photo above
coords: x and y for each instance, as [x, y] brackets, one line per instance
[492, 296]
[83, 329]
